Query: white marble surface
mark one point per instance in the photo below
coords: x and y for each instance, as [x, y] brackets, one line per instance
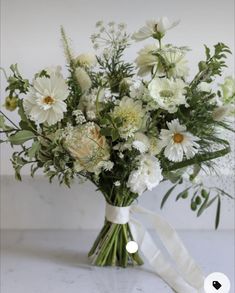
[56, 262]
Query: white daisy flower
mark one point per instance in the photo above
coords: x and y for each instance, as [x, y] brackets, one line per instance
[45, 102]
[147, 176]
[168, 93]
[177, 142]
[154, 27]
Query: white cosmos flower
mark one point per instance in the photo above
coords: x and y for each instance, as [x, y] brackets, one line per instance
[154, 27]
[54, 70]
[177, 142]
[147, 176]
[146, 60]
[168, 93]
[45, 102]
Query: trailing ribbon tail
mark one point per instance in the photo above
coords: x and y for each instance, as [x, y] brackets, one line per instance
[186, 276]
[189, 278]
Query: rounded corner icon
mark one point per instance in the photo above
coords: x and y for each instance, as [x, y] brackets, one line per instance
[217, 283]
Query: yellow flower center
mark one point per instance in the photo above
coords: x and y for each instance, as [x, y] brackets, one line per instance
[178, 138]
[48, 100]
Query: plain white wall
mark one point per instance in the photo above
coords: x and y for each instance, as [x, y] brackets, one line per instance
[30, 37]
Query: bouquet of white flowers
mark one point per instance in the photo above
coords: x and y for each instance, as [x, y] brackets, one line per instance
[126, 127]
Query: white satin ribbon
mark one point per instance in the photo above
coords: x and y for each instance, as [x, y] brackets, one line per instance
[186, 276]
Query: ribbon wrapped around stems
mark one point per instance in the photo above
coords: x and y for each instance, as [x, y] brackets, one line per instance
[185, 276]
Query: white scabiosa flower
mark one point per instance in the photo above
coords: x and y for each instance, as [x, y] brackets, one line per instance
[175, 61]
[146, 60]
[83, 79]
[153, 28]
[86, 60]
[147, 176]
[132, 115]
[45, 102]
[177, 142]
[168, 93]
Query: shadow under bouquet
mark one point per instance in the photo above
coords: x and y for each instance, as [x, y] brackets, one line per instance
[124, 126]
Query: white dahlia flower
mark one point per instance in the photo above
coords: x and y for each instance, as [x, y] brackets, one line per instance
[177, 142]
[168, 93]
[147, 176]
[132, 115]
[45, 102]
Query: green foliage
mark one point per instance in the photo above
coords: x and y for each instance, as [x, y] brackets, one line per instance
[201, 198]
[42, 146]
[114, 69]
[213, 65]
[21, 137]
[16, 83]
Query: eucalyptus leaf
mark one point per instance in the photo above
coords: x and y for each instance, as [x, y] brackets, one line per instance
[166, 196]
[203, 207]
[217, 218]
[182, 193]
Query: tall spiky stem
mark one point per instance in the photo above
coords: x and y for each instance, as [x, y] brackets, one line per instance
[67, 47]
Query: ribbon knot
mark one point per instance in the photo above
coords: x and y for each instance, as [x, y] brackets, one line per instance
[185, 276]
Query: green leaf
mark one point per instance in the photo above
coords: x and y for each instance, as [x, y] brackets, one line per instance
[34, 149]
[210, 202]
[21, 136]
[106, 131]
[217, 218]
[207, 52]
[3, 126]
[203, 207]
[114, 134]
[196, 170]
[166, 196]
